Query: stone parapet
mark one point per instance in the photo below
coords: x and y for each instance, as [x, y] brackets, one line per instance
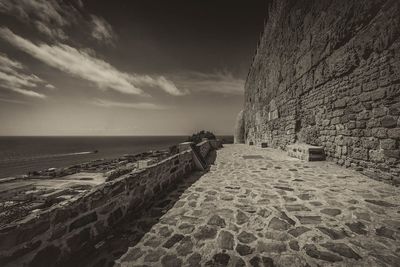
[74, 224]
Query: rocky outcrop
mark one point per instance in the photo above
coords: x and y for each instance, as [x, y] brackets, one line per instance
[327, 73]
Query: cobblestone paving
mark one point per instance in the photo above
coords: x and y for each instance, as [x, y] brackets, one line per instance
[258, 207]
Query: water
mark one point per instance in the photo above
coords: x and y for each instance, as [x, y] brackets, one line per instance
[19, 155]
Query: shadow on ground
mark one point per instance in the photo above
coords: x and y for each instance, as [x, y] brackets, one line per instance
[132, 228]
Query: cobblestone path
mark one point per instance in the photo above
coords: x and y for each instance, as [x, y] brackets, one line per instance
[258, 207]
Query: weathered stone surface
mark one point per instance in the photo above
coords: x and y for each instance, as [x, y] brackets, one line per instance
[313, 252]
[221, 259]
[82, 221]
[333, 233]
[381, 203]
[78, 240]
[256, 261]
[294, 245]
[173, 240]
[385, 232]
[271, 247]
[331, 212]
[253, 189]
[217, 220]
[244, 249]
[226, 240]
[246, 237]
[286, 218]
[185, 247]
[309, 219]
[297, 207]
[154, 256]
[241, 217]
[171, 261]
[186, 228]
[341, 249]
[325, 90]
[132, 255]
[194, 259]
[278, 224]
[206, 232]
[357, 227]
[298, 231]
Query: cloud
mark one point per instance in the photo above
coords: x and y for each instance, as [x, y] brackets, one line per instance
[80, 64]
[115, 104]
[50, 86]
[28, 93]
[54, 18]
[217, 82]
[167, 85]
[48, 16]
[102, 31]
[12, 78]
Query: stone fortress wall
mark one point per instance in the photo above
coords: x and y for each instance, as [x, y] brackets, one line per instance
[66, 228]
[327, 73]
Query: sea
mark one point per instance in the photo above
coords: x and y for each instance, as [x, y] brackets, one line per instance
[20, 155]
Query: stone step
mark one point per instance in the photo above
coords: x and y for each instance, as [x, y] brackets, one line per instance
[306, 152]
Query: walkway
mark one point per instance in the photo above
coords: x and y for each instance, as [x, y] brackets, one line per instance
[258, 207]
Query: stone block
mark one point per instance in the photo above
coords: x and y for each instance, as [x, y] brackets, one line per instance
[379, 112]
[392, 153]
[306, 152]
[380, 132]
[389, 122]
[378, 94]
[388, 144]
[370, 142]
[376, 156]
[360, 153]
[394, 133]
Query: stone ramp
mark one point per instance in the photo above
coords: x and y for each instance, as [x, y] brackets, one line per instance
[275, 211]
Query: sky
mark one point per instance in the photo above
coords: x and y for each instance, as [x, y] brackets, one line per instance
[100, 67]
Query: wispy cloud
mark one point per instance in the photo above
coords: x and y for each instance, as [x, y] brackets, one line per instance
[116, 104]
[50, 86]
[48, 16]
[55, 18]
[83, 65]
[12, 78]
[218, 82]
[102, 31]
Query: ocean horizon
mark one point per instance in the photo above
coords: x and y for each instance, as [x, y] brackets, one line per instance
[22, 154]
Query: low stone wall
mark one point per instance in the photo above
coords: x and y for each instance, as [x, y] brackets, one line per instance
[203, 148]
[49, 237]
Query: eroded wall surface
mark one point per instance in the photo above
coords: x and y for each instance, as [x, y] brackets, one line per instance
[328, 73]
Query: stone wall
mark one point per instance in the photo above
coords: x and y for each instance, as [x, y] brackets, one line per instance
[203, 148]
[328, 73]
[69, 226]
